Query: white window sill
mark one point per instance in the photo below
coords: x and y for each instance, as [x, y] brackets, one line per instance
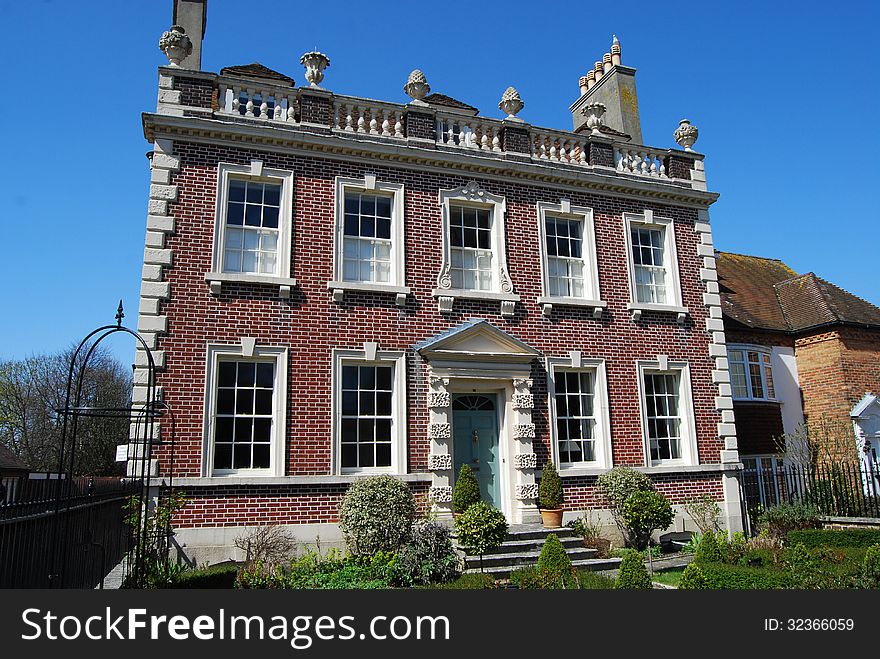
[319, 479]
[339, 288]
[637, 308]
[547, 303]
[446, 297]
[217, 279]
[760, 401]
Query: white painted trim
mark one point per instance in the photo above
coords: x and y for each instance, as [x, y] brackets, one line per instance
[369, 184]
[274, 354]
[397, 359]
[601, 411]
[285, 224]
[564, 210]
[689, 450]
[764, 350]
[673, 281]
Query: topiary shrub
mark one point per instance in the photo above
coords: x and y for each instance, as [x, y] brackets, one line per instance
[466, 491]
[786, 517]
[692, 578]
[617, 485]
[644, 512]
[215, 576]
[709, 550]
[871, 567]
[376, 514]
[736, 577]
[554, 565]
[633, 573]
[550, 489]
[481, 528]
[428, 557]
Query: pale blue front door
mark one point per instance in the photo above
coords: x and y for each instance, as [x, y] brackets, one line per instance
[475, 432]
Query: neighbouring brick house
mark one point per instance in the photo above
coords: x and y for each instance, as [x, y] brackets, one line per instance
[799, 349]
[335, 286]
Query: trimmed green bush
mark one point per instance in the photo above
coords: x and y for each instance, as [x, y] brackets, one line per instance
[467, 581]
[481, 528]
[633, 573]
[620, 482]
[428, 557]
[466, 491]
[644, 512]
[215, 576]
[530, 578]
[709, 550]
[376, 514]
[720, 576]
[786, 517]
[322, 571]
[692, 578]
[839, 538]
[871, 567]
[550, 489]
[553, 556]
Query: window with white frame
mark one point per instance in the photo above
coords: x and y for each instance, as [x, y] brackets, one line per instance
[245, 411]
[254, 224]
[474, 248]
[568, 255]
[751, 372]
[369, 412]
[579, 411]
[370, 235]
[667, 414]
[653, 263]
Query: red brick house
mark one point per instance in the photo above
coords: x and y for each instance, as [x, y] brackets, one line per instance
[335, 286]
[799, 349]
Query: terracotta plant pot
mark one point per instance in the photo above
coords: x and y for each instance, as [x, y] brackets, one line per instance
[552, 517]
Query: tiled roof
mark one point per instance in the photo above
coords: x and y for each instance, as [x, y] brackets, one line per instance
[448, 101]
[11, 462]
[256, 70]
[763, 293]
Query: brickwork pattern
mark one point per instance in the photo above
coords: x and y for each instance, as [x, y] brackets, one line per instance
[315, 109]
[679, 167]
[758, 427]
[601, 153]
[583, 492]
[515, 140]
[194, 92]
[421, 125]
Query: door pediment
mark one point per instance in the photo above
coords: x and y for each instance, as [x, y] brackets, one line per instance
[477, 340]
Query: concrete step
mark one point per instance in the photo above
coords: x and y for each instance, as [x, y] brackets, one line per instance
[533, 532]
[523, 558]
[510, 546]
[592, 564]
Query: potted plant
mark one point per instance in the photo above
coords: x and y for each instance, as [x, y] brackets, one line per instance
[466, 491]
[550, 497]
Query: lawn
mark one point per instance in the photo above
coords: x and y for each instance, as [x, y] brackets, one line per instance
[669, 577]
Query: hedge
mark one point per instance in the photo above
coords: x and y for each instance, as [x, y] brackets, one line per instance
[216, 576]
[862, 538]
[720, 576]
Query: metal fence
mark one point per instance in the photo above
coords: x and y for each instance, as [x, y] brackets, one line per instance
[90, 536]
[838, 490]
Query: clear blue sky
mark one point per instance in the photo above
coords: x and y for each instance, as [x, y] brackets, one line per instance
[785, 96]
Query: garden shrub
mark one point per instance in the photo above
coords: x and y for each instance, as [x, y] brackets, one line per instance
[554, 565]
[215, 576]
[466, 491]
[376, 514]
[704, 511]
[835, 538]
[720, 576]
[617, 485]
[633, 573]
[481, 528]
[530, 578]
[428, 557]
[871, 567]
[643, 512]
[467, 581]
[327, 571]
[550, 488]
[786, 517]
[709, 550]
[692, 578]
[272, 544]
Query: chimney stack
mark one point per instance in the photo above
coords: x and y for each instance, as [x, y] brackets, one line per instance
[192, 16]
[614, 85]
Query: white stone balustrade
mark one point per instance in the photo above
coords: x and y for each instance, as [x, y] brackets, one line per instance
[358, 115]
[474, 133]
[244, 99]
[635, 159]
[559, 147]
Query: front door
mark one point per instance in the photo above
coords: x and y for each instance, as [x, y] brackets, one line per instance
[475, 431]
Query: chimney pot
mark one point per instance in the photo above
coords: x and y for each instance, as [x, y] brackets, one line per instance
[583, 85]
[606, 62]
[615, 51]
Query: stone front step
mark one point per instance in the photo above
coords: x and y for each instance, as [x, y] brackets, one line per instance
[523, 558]
[592, 564]
[535, 544]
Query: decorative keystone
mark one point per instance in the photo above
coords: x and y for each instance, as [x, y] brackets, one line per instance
[523, 401]
[511, 103]
[315, 64]
[686, 134]
[525, 461]
[593, 112]
[440, 493]
[176, 45]
[439, 462]
[439, 431]
[438, 399]
[524, 431]
[417, 86]
[526, 491]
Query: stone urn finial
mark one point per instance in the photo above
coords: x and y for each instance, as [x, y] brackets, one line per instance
[686, 134]
[593, 112]
[417, 86]
[176, 45]
[315, 64]
[511, 103]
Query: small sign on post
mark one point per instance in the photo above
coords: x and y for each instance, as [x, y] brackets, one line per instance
[122, 453]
